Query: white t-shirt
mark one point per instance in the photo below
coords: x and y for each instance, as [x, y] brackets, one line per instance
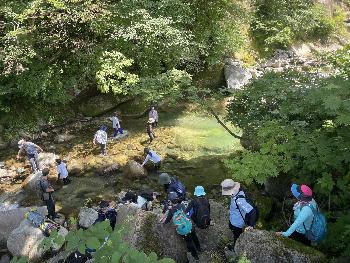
[115, 122]
[62, 170]
[140, 202]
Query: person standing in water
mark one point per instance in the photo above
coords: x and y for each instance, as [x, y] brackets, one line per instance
[116, 125]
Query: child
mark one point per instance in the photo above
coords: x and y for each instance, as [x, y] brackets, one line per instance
[101, 139]
[62, 171]
[116, 125]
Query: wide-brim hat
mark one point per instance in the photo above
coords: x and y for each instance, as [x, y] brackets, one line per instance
[199, 191]
[301, 192]
[230, 187]
[164, 178]
[151, 120]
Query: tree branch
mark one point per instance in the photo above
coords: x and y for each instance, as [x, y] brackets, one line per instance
[223, 124]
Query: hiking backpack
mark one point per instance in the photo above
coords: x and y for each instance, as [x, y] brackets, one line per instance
[252, 204]
[178, 187]
[147, 195]
[201, 213]
[182, 222]
[35, 218]
[318, 228]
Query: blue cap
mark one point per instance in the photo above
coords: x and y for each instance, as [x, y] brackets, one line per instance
[294, 190]
[199, 191]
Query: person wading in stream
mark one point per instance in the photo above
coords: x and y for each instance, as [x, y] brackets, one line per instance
[309, 224]
[149, 129]
[31, 149]
[46, 195]
[153, 157]
[101, 139]
[242, 211]
[153, 114]
[116, 125]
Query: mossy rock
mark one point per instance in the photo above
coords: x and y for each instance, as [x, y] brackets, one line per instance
[264, 246]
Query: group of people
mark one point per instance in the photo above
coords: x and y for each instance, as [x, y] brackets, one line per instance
[243, 212]
[101, 136]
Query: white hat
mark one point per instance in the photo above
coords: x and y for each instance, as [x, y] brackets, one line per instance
[20, 143]
[230, 187]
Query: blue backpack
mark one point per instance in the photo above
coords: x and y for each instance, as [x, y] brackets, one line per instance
[182, 222]
[318, 228]
[35, 218]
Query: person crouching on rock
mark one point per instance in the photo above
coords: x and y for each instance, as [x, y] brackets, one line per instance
[149, 129]
[62, 171]
[305, 211]
[47, 191]
[241, 211]
[101, 139]
[31, 149]
[153, 157]
[184, 228]
[107, 212]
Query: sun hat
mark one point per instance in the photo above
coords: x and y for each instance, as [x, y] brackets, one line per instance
[164, 178]
[151, 120]
[302, 192]
[230, 187]
[199, 191]
[20, 143]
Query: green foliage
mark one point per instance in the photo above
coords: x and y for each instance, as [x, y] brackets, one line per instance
[338, 237]
[243, 259]
[109, 245]
[340, 60]
[279, 23]
[301, 125]
[19, 260]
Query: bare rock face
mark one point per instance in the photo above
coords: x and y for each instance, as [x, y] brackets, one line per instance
[148, 234]
[263, 246]
[133, 169]
[87, 217]
[236, 75]
[25, 241]
[11, 219]
[31, 184]
[47, 160]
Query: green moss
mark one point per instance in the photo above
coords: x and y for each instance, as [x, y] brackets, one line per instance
[303, 249]
[150, 242]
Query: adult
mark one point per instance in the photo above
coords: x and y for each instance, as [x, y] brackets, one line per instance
[242, 213]
[107, 212]
[46, 194]
[116, 125]
[62, 171]
[100, 138]
[172, 184]
[31, 149]
[199, 208]
[142, 201]
[154, 115]
[153, 157]
[176, 213]
[303, 214]
[149, 129]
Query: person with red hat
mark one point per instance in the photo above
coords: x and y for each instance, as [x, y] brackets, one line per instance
[303, 214]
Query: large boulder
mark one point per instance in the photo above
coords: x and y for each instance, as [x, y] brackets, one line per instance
[31, 184]
[263, 246]
[147, 234]
[25, 241]
[47, 160]
[134, 169]
[11, 219]
[236, 75]
[87, 217]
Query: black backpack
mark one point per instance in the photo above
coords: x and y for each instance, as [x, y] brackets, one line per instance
[252, 204]
[147, 195]
[201, 213]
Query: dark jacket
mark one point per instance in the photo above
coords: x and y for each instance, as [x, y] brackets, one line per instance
[173, 187]
[172, 211]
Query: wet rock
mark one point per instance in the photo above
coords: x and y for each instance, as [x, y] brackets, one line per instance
[31, 184]
[264, 246]
[235, 74]
[47, 160]
[25, 241]
[11, 219]
[133, 169]
[87, 217]
[64, 138]
[60, 219]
